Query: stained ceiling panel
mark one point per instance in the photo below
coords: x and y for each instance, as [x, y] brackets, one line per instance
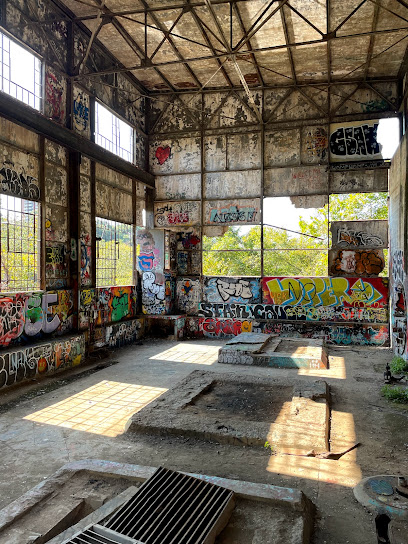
[258, 32]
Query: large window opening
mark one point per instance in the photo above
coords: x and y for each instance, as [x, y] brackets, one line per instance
[114, 253]
[20, 244]
[235, 252]
[21, 74]
[113, 134]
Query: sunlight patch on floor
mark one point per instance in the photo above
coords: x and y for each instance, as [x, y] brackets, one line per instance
[345, 471]
[336, 370]
[198, 354]
[101, 409]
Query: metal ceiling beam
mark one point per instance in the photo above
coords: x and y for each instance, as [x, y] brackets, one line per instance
[132, 43]
[285, 31]
[305, 19]
[371, 44]
[244, 31]
[63, 9]
[349, 16]
[389, 10]
[173, 46]
[328, 38]
[263, 23]
[198, 22]
[234, 60]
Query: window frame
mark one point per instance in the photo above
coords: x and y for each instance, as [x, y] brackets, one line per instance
[37, 253]
[115, 259]
[40, 71]
[115, 126]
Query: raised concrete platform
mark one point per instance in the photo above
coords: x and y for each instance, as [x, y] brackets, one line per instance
[250, 348]
[241, 410]
[88, 491]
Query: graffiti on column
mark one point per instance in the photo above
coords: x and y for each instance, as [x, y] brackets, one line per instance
[55, 97]
[188, 294]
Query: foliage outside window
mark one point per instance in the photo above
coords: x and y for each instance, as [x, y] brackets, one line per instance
[295, 243]
[21, 75]
[114, 253]
[20, 244]
[113, 134]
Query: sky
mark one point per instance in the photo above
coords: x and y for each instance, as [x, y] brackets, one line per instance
[281, 212]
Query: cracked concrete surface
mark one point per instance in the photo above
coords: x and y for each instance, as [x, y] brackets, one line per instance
[39, 435]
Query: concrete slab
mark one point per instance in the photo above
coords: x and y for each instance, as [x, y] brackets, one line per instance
[262, 511]
[242, 410]
[274, 352]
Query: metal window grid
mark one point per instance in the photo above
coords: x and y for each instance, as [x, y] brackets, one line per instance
[114, 253]
[32, 98]
[20, 244]
[113, 144]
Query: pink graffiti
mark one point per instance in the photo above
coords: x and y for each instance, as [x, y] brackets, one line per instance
[216, 327]
[178, 218]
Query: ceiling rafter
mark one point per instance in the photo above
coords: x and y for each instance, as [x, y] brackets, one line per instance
[371, 44]
[206, 38]
[165, 36]
[100, 22]
[253, 30]
[389, 10]
[305, 19]
[132, 43]
[234, 60]
[349, 16]
[285, 31]
[244, 31]
[254, 50]
[173, 46]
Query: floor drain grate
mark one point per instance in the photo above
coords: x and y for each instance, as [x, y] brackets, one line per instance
[169, 508]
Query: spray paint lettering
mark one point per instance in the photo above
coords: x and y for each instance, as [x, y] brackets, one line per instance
[354, 141]
[153, 293]
[18, 183]
[232, 290]
[315, 292]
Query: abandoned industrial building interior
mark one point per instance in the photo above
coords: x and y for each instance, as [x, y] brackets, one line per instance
[203, 271]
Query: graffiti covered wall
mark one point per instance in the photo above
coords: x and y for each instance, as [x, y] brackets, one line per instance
[29, 316]
[46, 357]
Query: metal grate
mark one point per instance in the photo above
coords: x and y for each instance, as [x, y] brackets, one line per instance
[96, 534]
[173, 508]
[20, 244]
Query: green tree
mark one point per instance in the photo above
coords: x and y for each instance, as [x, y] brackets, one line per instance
[287, 253]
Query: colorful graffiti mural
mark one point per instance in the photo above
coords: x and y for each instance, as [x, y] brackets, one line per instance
[80, 111]
[188, 239]
[107, 305]
[24, 316]
[119, 335]
[56, 262]
[333, 334]
[149, 249]
[228, 290]
[292, 313]
[86, 255]
[356, 262]
[25, 363]
[315, 292]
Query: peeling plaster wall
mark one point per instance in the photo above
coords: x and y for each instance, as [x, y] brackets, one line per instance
[214, 162]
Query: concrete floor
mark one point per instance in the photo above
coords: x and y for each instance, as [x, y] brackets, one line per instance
[86, 418]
